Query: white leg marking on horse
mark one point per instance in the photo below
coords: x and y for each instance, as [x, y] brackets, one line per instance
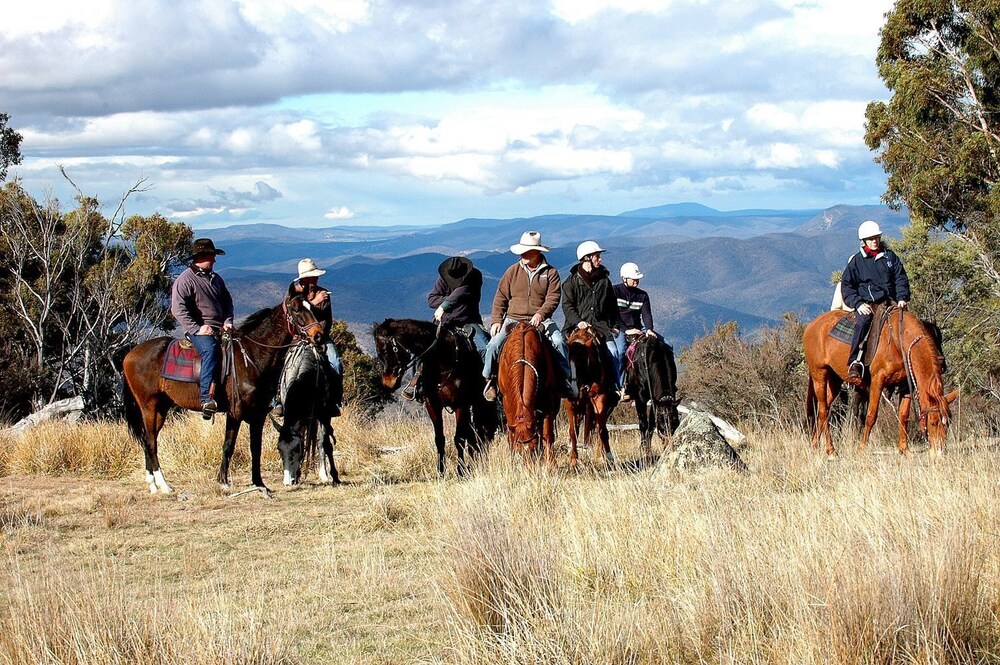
[324, 477]
[151, 482]
[288, 478]
[161, 483]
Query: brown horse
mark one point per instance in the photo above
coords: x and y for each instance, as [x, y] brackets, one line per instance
[451, 378]
[595, 398]
[527, 382]
[907, 355]
[257, 353]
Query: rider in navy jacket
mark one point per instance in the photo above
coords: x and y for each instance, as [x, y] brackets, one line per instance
[874, 275]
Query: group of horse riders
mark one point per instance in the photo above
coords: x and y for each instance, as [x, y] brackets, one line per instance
[203, 306]
[529, 290]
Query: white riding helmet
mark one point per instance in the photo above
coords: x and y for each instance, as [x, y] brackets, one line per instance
[868, 229]
[586, 248]
[630, 271]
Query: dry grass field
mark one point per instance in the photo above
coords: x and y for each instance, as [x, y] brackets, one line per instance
[869, 558]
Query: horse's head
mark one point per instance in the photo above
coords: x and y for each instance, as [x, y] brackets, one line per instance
[653, 367]
[935, 419]
[393, 357]
[302, 321]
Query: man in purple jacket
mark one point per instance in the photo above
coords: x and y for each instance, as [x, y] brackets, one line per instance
[203, 307]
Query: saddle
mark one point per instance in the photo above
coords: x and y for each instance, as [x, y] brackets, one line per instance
[843, 330]
[182, 362]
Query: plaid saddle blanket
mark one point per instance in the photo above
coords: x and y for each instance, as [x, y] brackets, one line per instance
[181, 364]
[843, 330]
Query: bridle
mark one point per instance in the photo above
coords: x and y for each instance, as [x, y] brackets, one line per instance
[911, 380]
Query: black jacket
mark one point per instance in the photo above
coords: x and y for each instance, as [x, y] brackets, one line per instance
[323, 313]
[873, 279]
[593, 302]
[461, 301]
[633, 307]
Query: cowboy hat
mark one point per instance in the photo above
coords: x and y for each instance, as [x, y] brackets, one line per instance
[454, 270]
[204, 246]
[530, 240]
[307, 268]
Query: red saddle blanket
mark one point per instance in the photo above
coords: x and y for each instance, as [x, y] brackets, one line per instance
[181, 364]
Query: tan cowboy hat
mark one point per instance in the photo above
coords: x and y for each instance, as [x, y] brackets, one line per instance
[307, 268]
[530, 240]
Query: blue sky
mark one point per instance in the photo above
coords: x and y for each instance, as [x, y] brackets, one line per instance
[363, 112]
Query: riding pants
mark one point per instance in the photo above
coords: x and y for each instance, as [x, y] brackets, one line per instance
[862, 324]
[620, 346]
[552, 332]
[207, 347]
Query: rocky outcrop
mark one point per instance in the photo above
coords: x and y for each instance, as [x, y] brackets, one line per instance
[698, 444]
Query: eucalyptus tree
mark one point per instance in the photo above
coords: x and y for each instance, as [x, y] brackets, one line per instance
[938, 139]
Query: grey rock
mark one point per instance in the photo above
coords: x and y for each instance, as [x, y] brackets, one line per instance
[698, 444]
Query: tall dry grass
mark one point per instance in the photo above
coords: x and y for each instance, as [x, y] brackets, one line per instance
[93, 616]
[871, 558]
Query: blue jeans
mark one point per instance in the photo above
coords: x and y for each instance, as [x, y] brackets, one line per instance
[480, 339]
[207, 347]
[620, 346]
[551, 331]
[334, 358]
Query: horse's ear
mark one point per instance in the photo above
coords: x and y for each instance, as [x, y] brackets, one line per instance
[952, 396]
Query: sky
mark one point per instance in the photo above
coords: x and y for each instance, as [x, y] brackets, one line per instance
[376, 112]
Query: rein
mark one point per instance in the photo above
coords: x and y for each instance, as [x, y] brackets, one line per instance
[911, 379]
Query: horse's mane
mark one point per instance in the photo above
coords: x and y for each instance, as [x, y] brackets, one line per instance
[254, 321]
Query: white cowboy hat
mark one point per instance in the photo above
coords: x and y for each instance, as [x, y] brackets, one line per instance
[529, 240]
[307, 268]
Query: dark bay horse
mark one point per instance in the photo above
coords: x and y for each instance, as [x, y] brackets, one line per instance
[306, 432]
[451, 378]
[908, 354]
[595, 398]
[651, 380]
[260, 346]
[527, 379]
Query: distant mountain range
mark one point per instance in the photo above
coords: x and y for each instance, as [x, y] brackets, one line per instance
[701, 266]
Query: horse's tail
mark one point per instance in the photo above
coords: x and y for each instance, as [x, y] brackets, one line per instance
[133, 414]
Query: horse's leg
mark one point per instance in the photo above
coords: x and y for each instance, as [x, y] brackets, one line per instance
[904, 421]
[874, 395]
[574, 424]
[154, 413]
[256, 425]
[601, 414]
[327, 467]
[549, 440]
[821, 388]
[463, 435]
[228, 448]
[433, 407]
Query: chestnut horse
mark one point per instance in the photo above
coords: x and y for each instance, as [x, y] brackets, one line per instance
[651, 379]
[595, 398]
[451, 378]
[255, 365]
[527, 382]
[907, 355]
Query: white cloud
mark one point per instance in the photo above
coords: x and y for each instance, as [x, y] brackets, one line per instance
[341, 212]
[516, 99]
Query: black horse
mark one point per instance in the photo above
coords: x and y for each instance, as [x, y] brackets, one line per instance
[451, 378]
[651, 380]
[309, 406]
[256, 353]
